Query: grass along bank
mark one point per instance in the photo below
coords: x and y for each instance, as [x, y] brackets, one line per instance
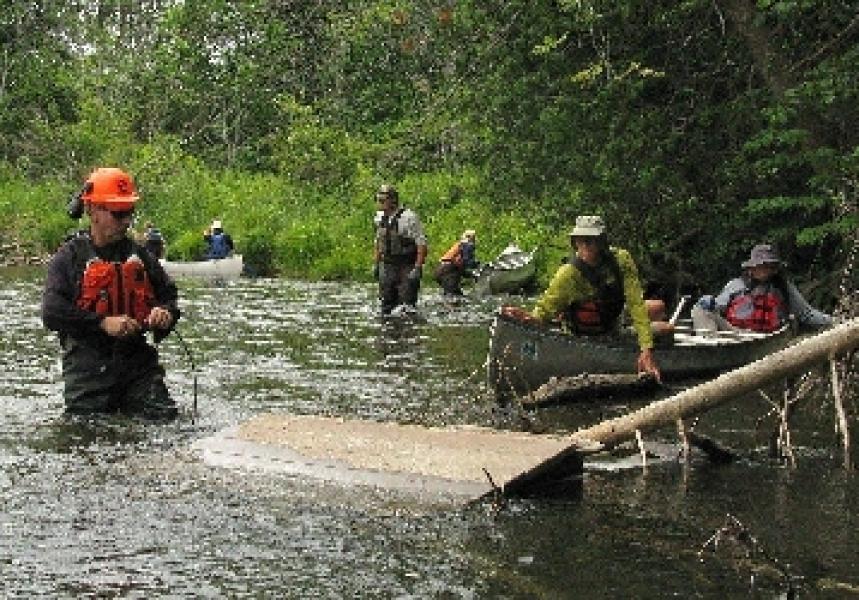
[280, 227]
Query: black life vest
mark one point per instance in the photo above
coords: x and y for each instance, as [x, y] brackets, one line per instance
[600, 313]
[760, 307]
[115, 288]
[393, 246]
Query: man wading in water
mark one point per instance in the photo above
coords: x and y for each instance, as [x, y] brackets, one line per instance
[102, 292]
[399, 251]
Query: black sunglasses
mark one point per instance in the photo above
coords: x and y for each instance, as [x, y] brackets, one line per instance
[120, 214]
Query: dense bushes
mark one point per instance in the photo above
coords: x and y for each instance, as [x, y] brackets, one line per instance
[696, 128]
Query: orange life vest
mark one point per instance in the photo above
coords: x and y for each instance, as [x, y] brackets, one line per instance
[600, 313]
[587, 318]
[764, 311]
[453, 255]
[112, 288]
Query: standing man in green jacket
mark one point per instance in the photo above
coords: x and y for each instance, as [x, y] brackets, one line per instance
[590, 291]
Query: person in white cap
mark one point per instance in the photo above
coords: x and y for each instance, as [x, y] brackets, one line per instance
[761, 299]
[220, 244]
[590, 291]
[459, 261]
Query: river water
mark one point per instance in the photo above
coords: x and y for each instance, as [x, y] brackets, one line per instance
[121, 508]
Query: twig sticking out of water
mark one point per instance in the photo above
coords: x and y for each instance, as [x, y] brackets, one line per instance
[641, 449]
[842, 372]
[842, 425]
[498, 501]
[734, 532]
[780, 439]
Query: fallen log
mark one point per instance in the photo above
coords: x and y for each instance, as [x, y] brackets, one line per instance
[732, 385]
[695, 400]
[588, 386]
[715, 453]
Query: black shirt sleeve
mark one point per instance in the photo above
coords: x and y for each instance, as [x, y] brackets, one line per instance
[60, 312]
[163, 285]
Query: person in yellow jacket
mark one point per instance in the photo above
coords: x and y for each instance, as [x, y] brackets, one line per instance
[590, 291]
[456, 263]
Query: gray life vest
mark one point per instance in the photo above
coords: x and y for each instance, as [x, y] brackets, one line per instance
[393, 246]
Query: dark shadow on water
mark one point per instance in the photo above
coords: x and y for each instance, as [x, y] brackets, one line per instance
[568, 489]
[70, 433]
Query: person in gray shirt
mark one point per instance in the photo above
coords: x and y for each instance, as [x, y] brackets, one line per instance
[762, 299]
[400, 251]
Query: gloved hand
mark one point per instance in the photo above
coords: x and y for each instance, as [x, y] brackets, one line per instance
[707, 302]
[376, 271]
[415, 273]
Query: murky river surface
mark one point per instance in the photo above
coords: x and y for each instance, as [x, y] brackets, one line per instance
[121, 508]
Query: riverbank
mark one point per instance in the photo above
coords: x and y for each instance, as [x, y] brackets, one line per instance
[15, 253]
[281, 227]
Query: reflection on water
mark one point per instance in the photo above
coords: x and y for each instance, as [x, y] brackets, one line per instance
[117, 507]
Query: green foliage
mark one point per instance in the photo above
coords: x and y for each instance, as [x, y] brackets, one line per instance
[309, 151]
[693, 130]
[33, 214]
[37, 92]
[258, 252]
[188, 245]
[302, 244]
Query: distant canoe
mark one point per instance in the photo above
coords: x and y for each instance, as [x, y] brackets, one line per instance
[513, 271]
[219, 268]
[522, 357]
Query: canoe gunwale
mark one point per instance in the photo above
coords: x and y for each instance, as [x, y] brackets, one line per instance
[524, 356]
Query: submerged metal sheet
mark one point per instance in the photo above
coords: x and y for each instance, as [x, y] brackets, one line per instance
[389, 455]
[421, 460]
[228, 449]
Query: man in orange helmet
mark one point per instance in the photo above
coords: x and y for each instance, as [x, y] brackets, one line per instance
[102, 293]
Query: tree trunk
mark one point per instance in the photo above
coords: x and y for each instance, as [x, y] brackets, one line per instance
[729, 386]
[698, 399]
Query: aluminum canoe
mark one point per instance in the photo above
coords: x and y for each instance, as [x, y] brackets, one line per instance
[513, 270]
[220, 268]
[522, 357]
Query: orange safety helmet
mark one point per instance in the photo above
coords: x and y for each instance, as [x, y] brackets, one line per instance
[110, 187]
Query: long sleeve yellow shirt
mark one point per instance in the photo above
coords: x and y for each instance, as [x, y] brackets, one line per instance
[569, 285]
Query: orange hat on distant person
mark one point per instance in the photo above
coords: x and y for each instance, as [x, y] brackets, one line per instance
[110, 187]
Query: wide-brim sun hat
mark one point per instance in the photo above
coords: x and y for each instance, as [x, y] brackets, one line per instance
[762, 254]
[588, 226]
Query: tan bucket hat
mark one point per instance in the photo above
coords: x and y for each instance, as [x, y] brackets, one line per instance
[588, 226]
